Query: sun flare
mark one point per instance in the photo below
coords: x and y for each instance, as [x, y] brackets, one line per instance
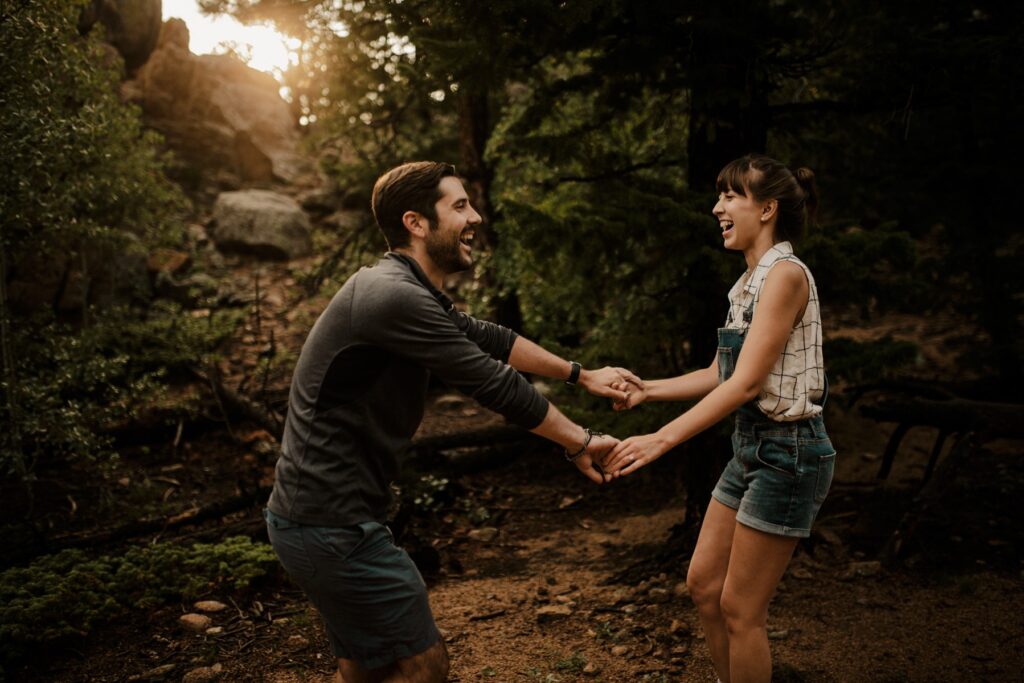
[259, 46]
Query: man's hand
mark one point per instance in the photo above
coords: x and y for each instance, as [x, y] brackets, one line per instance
[633, 453]
[597, 450]
[604, 382]
[635, 395]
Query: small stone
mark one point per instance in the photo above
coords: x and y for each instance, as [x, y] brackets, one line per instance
[591, 669]
[210, 606]
[658, 595]
[829, 536]
[778, 635]
[569, 501]
[282, 621]
[677, 626]
[124, 481]
[155, 674]
[629, 609]
[297, 642]
[484, 534]
[681, 589]
[195, 622]
[549, 613]
[862, 569]
[202, 674]
[215, 630]
[801, 573]
[620, 650]
[621, 595]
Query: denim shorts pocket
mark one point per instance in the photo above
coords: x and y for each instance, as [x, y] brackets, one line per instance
[778, 453]
[826, 468]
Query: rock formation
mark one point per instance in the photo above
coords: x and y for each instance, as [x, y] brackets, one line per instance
[225, 121]
[132, 26]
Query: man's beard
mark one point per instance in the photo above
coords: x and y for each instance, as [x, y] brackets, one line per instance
[446, 251]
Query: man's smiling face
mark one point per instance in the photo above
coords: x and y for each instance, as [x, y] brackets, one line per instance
[450, 243]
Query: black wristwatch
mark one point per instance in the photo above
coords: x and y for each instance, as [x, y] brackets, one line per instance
[574, 372]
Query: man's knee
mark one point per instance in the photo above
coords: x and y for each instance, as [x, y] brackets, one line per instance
[429, 666]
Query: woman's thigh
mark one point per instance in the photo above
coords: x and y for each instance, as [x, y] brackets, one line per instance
[756, 565]
[710, 560]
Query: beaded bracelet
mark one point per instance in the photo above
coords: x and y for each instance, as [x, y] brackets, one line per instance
[573, 457]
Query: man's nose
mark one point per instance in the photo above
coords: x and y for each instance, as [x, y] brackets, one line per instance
[475, 218]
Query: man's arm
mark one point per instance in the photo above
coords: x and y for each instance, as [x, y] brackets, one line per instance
[527, 356]
[572, 437]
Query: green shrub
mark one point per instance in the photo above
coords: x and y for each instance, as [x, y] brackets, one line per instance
[80, 179]
[70, 594]
[76, 384]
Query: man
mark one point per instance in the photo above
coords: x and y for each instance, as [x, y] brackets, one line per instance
[356, 399]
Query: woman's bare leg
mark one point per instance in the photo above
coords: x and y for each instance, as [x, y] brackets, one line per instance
[706, 578]
[756, 565]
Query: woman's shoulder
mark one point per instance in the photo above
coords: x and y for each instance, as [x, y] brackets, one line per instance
[787, 276]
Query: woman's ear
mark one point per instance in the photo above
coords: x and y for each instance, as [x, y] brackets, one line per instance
[769, 210]
[416, 223]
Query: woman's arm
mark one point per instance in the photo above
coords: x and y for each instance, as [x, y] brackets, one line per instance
[696, 384]
[782, 301]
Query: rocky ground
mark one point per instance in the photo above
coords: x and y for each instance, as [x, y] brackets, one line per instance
[524, 593]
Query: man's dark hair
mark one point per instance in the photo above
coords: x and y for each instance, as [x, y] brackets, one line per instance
[414, 186]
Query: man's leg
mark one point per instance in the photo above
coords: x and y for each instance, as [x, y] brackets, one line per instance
[430, 666]
[706, 578]
[756, 565]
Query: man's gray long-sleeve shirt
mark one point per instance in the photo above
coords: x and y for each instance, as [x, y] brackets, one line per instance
[359, 388]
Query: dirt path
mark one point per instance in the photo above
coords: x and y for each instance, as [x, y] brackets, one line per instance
[825, 624]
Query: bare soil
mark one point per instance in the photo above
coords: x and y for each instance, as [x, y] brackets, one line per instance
[950, 612]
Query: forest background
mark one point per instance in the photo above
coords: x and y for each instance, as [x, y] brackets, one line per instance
[590, 134]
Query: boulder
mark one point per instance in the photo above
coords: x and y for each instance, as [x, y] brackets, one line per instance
[132, 26]
[225, 122]
[262, 223]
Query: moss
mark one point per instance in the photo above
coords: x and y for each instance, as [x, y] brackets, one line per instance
[69, 594]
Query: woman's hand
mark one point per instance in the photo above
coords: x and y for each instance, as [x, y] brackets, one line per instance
[633, 453]
[607, 381]
[635, 395]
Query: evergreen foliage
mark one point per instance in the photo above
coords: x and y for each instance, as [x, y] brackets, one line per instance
[69, 594]
[81, 182]
[604, 123]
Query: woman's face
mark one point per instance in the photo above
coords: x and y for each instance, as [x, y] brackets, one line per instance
[740, 218]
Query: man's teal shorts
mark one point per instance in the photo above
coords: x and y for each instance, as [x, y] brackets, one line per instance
[371, 596]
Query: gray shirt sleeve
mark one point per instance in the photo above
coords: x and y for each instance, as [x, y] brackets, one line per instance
[495, 340]
[407, 320]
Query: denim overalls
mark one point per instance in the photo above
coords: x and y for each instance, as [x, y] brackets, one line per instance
[780, 472]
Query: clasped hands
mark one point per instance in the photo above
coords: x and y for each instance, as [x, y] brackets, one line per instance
[606, 457]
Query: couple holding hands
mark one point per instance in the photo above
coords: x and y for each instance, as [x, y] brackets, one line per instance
[360, 384]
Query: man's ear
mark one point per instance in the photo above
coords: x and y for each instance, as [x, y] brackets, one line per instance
[416, 223]
[768, 211]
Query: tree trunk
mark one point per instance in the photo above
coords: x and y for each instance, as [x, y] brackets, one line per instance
[474, 131]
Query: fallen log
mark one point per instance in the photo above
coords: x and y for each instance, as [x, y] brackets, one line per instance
[988, 419]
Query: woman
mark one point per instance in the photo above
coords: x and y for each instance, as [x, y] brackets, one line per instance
[781, 469]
